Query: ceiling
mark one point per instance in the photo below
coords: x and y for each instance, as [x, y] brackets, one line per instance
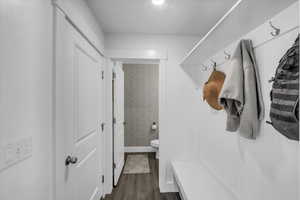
[181, 17]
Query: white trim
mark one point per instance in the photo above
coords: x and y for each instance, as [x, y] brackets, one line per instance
[162, 123]
[66, 8]
[139, 149]
[108, 128]
[144, 54]
[168, 186]
[58, 141]
[139, 61]
[210, 31]
[124, 56]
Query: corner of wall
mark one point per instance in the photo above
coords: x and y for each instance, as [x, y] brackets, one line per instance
[168, 187]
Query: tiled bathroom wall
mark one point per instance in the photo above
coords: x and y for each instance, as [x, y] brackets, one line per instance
[141, 103]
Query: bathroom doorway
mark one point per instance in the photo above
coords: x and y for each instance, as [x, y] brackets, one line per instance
[141, 112]
[118, 59]
[141, 88]
[141, 104]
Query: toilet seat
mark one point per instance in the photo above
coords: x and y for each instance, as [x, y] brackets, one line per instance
[155, 143]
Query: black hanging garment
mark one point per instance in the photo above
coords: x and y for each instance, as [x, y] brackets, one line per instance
[284, 111]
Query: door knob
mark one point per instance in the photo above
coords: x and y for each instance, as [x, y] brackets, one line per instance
[71, 160]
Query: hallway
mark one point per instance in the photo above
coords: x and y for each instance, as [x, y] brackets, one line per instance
[141, 186]
[149, 100]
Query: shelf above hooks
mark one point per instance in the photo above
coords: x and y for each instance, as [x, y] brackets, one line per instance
[218, 44]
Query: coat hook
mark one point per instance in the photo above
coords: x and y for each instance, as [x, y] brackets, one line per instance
[214, 64]
[204, 67]
[227, 55]
[276, 30]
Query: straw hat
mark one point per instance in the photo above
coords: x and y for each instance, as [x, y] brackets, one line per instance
[212, 89]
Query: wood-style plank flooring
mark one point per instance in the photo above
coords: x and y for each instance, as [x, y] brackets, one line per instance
[141, 186]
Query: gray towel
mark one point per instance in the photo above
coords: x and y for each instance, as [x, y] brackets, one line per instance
[241, 94]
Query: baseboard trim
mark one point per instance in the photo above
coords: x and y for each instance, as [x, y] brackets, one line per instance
[169, 186]
[139, 149]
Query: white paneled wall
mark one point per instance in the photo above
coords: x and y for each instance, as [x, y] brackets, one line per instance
[261, 169]
[25, 95]
[26, 69]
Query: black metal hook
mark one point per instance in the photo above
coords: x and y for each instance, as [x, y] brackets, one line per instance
[214, 64]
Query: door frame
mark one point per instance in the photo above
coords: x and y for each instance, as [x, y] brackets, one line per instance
[60, 18]
[114, 123]
[146, 56]
[113, 84]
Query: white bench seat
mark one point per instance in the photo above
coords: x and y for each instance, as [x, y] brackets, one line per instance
[195, 182]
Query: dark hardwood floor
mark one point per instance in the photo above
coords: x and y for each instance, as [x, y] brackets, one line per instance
[141, 186]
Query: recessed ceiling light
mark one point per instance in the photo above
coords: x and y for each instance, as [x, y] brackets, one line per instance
[158, 2]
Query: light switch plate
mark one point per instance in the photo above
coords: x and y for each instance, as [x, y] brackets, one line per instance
[15, 151]
[9, 153]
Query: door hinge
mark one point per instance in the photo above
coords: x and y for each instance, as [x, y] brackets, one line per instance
[102, 178]
[102, 74]
[114, 120]
[102, 126]
[114, 166]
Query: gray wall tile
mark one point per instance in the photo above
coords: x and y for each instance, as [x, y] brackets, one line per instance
[141, 103]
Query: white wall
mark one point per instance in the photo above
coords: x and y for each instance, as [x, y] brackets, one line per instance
[191, 129]
[26, 56]
[25, 95]
[181, 120]
[261, 169]
[83, 17]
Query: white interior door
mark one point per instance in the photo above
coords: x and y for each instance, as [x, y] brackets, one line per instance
[118, 121]
[79, 115]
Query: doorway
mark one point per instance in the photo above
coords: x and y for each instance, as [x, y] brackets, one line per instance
[79, 115]
[135, 91]
[118, 121]
[141, 106]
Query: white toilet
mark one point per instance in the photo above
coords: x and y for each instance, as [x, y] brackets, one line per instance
[155, 144]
